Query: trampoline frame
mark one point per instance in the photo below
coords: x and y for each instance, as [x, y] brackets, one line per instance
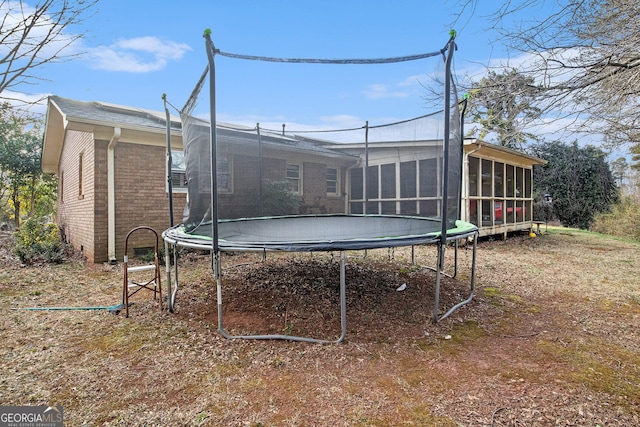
[173, 241]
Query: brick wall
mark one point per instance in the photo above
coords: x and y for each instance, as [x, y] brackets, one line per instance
[76, 207]
[315, 190]
[101, 208]
[141, 195]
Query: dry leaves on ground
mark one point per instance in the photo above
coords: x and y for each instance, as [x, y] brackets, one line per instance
[551, 338]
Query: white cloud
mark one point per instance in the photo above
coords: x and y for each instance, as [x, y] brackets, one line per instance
[137, 55]
[413, 80]
[381, 91]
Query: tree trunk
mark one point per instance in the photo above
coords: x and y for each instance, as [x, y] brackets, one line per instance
[16, 205]
[32, 204]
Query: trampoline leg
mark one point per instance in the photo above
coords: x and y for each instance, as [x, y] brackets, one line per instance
[455, 258]
[167, 262]
[343, 298]
[439, 267]
[172, 289]
[217, 274]
[472, 283]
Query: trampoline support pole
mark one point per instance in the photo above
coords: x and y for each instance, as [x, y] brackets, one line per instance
[471, 285]
[439, 268]
[218, 276]
[167, 262]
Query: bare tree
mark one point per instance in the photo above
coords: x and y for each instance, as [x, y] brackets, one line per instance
[33, 35]
[585, 58]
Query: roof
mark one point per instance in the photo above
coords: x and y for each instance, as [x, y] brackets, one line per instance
[231, 134]
[499, 152]
[130, 124]
[105, 113]
[105, 121]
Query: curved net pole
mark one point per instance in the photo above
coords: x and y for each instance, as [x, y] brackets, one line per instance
[167, 259]
[260, 170]
[365, 170]
[215, 256]
[445, 177]
[464, 104]
[213, 140]
[169, 159]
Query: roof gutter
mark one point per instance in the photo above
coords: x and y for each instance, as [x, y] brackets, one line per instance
[111, 194]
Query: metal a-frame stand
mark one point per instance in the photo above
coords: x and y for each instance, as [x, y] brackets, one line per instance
[131, 287]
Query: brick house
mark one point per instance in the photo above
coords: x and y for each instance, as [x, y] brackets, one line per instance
[111, 165]
[112, 173]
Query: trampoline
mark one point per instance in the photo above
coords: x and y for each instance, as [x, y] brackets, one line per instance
[314, 233]
[250, 189]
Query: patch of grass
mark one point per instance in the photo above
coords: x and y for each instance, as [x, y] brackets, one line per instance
[421, 415]
[497, 297]
[599, 365]
[460, 337]
[491, 291]
[577, 232]
[493, 295]
[125, 339]
[467, 331]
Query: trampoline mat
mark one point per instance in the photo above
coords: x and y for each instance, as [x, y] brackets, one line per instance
[317, 232]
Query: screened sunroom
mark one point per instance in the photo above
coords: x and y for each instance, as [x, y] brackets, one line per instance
[497, 183]
[499, 190]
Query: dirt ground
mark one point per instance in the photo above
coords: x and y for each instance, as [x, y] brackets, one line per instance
[551, 338]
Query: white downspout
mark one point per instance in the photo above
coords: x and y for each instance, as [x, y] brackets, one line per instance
[111, 194]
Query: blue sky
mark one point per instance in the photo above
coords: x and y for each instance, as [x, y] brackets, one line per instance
[136, 51]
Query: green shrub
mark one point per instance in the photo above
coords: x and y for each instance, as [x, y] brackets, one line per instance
[39, 242]
[278, 199]
[622, 220]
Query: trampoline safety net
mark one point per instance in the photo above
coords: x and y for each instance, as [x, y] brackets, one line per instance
[410, 167]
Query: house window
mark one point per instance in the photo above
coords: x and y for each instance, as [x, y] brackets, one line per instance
[372, 190]
[510, 181]
[294, 177]
[333, 182]
[519, 178]
[388, 181]
[356, 190]
[224, 169]
[80, 177]
[487, 177]
[179, 173]
[408, 187]
[428, 181]
[498, 179]
[473, 175]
